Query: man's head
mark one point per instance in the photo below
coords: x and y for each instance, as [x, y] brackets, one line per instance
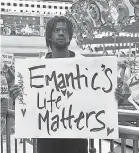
[59, 32]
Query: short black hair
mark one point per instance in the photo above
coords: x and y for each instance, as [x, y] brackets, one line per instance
[51, 25]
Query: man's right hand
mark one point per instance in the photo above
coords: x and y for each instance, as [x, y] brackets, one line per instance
[14, 92]
[10, 75]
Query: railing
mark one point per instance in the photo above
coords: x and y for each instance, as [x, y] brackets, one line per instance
[33, 142]
[128, 129]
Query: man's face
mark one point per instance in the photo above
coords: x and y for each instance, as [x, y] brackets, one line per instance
[60, 36]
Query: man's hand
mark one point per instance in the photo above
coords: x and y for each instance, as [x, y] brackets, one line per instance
[14, 92]
[119, 96]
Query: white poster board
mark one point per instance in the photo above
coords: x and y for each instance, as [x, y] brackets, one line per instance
[67, 98]
[7, 58]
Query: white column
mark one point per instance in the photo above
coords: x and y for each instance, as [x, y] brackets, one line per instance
[41, 25]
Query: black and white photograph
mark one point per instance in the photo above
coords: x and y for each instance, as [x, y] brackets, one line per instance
[69, 76]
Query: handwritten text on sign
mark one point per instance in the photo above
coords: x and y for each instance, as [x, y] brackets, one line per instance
[7, 58]
[67, 98]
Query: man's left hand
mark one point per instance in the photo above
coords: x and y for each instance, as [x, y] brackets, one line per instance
[119, 96]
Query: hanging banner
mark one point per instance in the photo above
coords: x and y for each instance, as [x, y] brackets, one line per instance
[67, 98]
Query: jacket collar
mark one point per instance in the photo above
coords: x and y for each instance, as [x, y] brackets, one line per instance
[49, 55]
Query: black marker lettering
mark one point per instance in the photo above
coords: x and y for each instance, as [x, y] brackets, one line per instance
[63, 119]
[93, 80]
[67, 118]
[68, 76]
[55, 123]
[88, 116]
[48, 79]
[79, 76]
[51, 100]
[70, 117]
[61, 84]
[81, 116]
[101, 128]
[110, 89]
[38, 102]
[40, 118]
[35, 77]
[57, 101]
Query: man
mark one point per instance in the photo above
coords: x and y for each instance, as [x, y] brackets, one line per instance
[59, 32]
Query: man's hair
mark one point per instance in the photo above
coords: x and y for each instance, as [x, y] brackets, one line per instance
[51, 24]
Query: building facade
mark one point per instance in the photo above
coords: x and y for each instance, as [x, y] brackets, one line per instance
[45, 8]
[19, 16]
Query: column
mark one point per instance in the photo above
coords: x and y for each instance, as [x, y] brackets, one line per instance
[41, 25]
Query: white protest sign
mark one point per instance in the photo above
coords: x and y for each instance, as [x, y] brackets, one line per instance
[67, 98]
[7, 58]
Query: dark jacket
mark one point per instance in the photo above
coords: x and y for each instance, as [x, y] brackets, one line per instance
[46, 145]
[49, 55]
